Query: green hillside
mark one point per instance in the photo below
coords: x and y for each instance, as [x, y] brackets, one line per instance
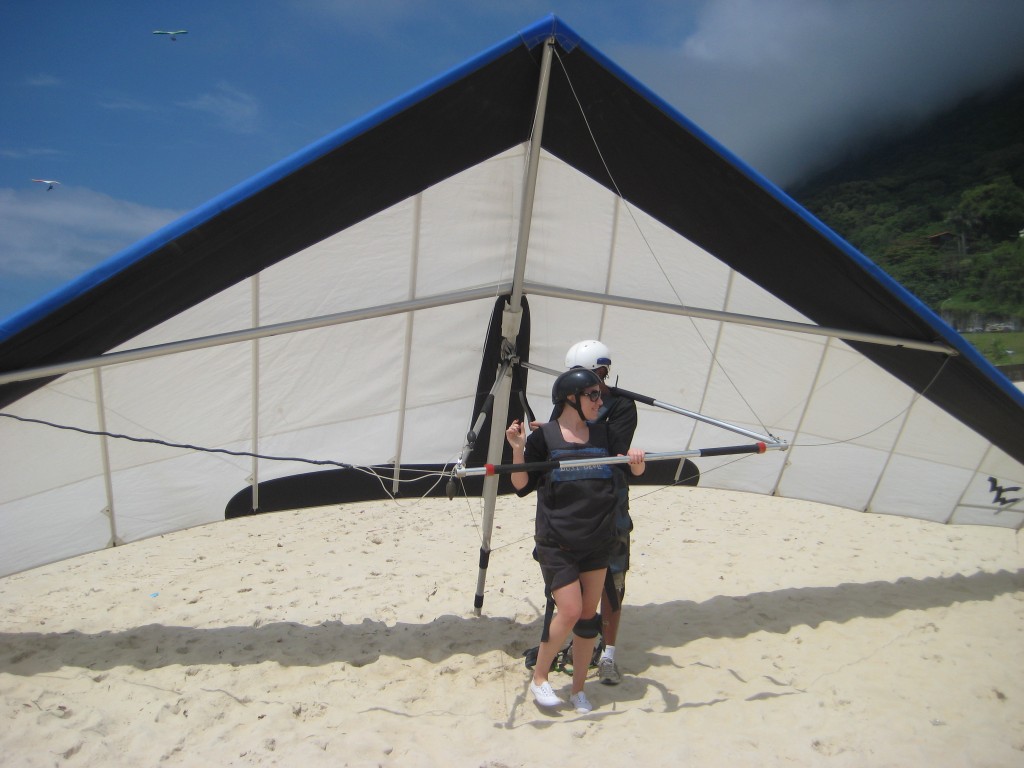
[941, 209]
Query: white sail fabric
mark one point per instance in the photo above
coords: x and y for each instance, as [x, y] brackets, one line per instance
[400, 387]
[380, 292]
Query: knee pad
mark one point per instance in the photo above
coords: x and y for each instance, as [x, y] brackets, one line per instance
[588, 628]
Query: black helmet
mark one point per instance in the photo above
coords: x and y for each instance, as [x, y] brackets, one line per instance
[573, 382]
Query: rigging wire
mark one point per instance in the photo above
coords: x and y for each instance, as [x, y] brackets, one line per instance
[900, 414]
[439, 475]
[650, 248]
[384, 480]
[367, 469]
[657, 261]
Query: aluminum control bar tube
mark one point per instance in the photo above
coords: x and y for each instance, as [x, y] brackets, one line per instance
[542, 466]
[511, 322]
[693, 415]
[767, 439]
[478, 424]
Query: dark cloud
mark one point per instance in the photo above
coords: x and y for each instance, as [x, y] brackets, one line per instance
[792, 85]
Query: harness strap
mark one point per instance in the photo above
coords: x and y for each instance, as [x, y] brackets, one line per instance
[549, 612]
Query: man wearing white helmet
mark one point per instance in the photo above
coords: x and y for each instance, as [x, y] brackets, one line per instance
[619, 413]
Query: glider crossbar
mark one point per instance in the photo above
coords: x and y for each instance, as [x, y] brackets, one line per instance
[646, 400]
[543, 466]
[693, 415]
[250, 334]
[845, 334]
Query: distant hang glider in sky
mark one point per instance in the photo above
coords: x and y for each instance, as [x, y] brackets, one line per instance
[374, 303]
[50, 182]
[174, 34]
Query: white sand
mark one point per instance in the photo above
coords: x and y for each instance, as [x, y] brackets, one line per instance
[757, 632]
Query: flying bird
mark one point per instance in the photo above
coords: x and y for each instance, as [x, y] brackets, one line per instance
[46, 181]
[174, 34]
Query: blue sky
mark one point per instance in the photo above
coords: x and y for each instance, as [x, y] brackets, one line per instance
[140, 129]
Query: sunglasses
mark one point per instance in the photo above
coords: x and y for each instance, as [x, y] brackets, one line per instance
[593, 395]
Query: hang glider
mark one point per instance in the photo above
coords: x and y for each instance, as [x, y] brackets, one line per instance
[49, 182]
[173, 35]
[376, 302]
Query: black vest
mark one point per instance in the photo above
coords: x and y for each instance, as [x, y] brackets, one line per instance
[576, 505]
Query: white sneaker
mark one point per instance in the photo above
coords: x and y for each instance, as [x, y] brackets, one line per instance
[544, 695]
[580, 703]
[608, 671]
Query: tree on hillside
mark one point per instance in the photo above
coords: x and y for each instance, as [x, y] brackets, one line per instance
[997, 280]
[940, 208]
[989, 213]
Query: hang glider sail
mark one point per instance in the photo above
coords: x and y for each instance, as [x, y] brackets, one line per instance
[377, 301]
[172, 34]
[50, 183]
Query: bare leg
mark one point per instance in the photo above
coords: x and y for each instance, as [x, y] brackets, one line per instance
[568, 603]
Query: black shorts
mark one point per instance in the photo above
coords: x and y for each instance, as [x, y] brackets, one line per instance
[562, 566]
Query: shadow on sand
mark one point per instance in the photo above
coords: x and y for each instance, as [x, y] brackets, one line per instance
[671, 624]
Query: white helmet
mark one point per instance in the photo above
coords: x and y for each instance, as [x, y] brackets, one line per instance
[590, 354]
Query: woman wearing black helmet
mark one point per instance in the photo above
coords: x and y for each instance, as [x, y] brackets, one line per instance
[575, 525]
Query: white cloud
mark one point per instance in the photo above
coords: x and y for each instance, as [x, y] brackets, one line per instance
[29, 153]
[232, 109]
[43, 80]
[56, 235]
[124, 104]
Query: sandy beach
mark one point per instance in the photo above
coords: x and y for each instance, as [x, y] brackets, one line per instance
[757, 631]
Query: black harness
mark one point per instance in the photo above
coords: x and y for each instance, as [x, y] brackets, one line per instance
[576, 505]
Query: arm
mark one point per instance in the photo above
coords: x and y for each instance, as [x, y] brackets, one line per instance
[621, 426]
[637, 462]
[516, 436]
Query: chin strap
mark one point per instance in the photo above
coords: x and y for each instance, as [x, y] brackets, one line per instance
[578, 407]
